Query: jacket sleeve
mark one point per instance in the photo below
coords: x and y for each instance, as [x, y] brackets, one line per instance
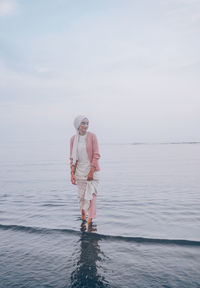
[71, 146]
[95, 148]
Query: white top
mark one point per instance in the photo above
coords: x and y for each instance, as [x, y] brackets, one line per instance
[82, 151]
[83, 165]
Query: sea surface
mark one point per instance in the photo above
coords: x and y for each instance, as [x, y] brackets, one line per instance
[147, 230]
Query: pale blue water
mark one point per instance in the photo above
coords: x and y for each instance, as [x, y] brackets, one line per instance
[148, 232]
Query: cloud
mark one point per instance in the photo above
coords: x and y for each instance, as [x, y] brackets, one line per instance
[7, 7]
[187, 2]
[183, 13]
[41, 69]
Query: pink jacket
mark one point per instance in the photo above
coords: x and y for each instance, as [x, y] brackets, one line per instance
[92, 150]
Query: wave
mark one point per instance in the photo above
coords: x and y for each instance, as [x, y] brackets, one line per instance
[40, 230]
[141, 240]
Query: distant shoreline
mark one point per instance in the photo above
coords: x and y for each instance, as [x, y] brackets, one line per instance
[8, 143]
[153, 143]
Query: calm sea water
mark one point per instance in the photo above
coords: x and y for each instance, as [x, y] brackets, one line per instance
[146, 234]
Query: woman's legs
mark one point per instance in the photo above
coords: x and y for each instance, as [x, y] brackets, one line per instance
[82, 202]
[92, 209]
[83, 215]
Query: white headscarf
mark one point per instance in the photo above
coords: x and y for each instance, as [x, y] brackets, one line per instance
[77, 122]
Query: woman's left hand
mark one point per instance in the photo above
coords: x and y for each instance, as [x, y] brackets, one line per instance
[90, 174]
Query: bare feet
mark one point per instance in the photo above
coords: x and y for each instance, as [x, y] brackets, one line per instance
[91, 227]
[83, 225]
[89, 221]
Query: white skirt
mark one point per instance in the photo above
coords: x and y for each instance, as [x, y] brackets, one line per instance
[85, 188]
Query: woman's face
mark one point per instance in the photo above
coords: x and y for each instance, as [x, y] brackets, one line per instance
[83, 126]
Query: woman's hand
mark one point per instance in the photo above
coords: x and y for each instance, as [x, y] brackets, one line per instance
[73, 179]
[91, 174]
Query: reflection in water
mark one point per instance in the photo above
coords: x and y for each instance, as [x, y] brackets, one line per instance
[86, 274]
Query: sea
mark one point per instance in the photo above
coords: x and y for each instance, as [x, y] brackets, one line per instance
[147, 230]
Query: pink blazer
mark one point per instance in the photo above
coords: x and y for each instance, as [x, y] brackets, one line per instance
[92, 150]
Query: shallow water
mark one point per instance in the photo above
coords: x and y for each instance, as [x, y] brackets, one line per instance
[147, 229]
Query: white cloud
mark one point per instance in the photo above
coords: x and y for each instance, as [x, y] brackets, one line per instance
[7, 7]
[41, 69]
[189, 2]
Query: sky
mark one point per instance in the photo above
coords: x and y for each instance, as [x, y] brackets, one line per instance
[131, 66]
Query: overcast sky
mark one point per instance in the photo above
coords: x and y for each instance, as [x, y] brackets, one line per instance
[131, 66]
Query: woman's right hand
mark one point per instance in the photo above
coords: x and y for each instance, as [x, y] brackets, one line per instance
[73, 179]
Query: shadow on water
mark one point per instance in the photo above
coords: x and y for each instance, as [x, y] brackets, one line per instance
[86, 273]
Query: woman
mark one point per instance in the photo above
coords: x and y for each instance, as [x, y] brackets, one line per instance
[84, 156]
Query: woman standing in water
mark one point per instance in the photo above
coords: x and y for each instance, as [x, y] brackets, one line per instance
[84, 156]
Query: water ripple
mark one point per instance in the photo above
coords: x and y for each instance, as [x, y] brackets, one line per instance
[142, 240]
